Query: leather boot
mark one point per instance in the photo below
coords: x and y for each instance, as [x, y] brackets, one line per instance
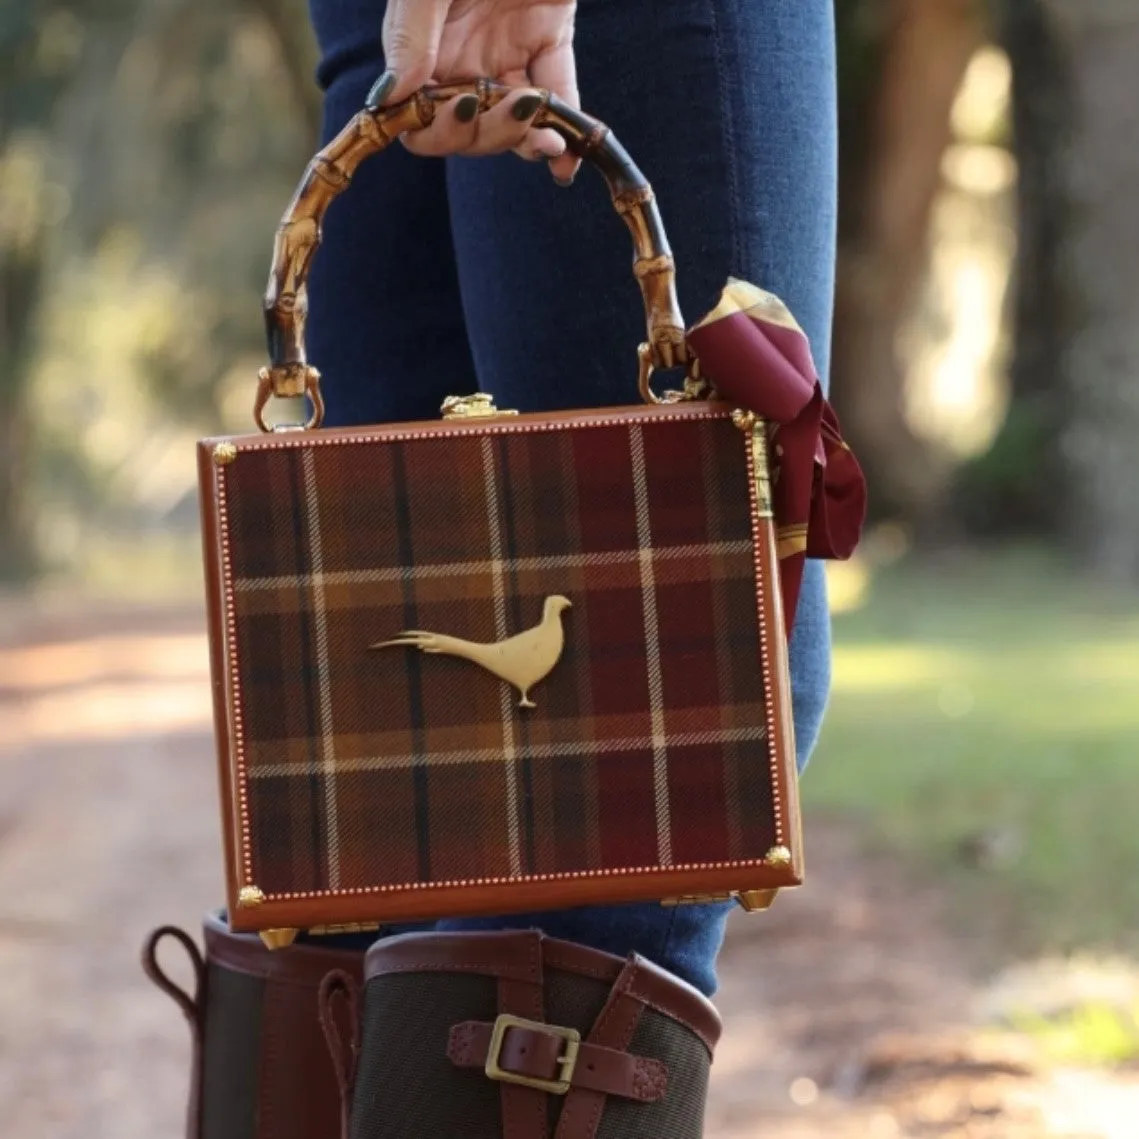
[515, 1035]
[260, 1063]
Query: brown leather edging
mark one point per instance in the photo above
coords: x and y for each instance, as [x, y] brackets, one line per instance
[428, 901]
[219, 664]
[669, 995]
[583, 1109]
[773, 645]
[303, 964]
[508, 954]
[444, 428]
[524, 1114]
[521, 955]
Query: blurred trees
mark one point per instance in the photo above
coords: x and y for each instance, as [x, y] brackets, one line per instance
[902, 64]
[147, 147]
[1097, 262]
[1020, 486]
[145, 151]
[38, 55]
[1059, 467]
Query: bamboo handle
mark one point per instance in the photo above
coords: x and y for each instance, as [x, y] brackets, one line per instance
[328, 174]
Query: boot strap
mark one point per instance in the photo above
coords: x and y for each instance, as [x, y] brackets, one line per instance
[553, 1059]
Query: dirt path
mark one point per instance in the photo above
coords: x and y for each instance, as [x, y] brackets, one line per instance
[847, 1006]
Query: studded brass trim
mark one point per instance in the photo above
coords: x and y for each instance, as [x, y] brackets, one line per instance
[224, 454]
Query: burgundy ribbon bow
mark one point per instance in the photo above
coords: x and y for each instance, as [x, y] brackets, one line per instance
[754, 352]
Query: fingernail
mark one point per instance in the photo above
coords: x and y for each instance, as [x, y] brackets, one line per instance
[466, 107]
[381, 89]
[565, 183]
[526, 107]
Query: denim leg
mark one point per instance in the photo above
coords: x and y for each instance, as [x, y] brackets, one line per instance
[729, 108]
[385, 324]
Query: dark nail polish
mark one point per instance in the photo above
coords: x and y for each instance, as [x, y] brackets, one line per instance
[381, 89]
[466, 107]
[526, 107]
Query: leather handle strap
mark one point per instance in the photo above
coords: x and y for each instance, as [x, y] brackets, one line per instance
[371, 131]
[343, 1050]
[192, 1005]
[538, 1055]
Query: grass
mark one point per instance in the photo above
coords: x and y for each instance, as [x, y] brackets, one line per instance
[985, 722]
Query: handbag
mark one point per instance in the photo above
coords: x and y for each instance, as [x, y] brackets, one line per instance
[261, 1033]
[505, 662]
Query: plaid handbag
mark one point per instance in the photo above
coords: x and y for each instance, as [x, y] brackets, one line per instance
[498, 662]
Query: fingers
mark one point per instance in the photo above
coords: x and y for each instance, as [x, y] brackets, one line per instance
[505, 127]
[556, 70]
[411, 35]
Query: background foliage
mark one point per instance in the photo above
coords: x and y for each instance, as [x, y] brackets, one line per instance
[986, 355]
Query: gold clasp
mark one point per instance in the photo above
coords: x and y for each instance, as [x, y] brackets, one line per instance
[695, 386]
[756, 430]
[566, 1063]
[288, 382]
[477, 406]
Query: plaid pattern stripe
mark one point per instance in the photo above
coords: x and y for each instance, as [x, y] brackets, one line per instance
[391, 768]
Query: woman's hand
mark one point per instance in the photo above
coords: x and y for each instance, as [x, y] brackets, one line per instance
[518, 42]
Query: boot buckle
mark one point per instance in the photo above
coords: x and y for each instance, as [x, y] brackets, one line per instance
[567, 1062]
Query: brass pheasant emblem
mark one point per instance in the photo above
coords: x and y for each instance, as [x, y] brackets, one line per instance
[522, 660]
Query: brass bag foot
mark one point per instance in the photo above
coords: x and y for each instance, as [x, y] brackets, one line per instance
[278, 938]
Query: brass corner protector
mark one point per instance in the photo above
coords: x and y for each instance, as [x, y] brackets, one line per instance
[249, 896]
[224, 454]
[777, 856]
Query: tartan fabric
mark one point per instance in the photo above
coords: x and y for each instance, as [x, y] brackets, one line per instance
[365, 768]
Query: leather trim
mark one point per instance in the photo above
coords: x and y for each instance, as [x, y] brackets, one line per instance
[219, 663]
[303, 964]
[507, 955]
[583, 1110]
[781, 726]
[660, 990]
[435, 428]
[527, 1052]
[523, 955]
[524, 1114]
[430, 902]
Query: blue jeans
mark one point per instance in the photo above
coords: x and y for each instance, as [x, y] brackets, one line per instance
[438, 277]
